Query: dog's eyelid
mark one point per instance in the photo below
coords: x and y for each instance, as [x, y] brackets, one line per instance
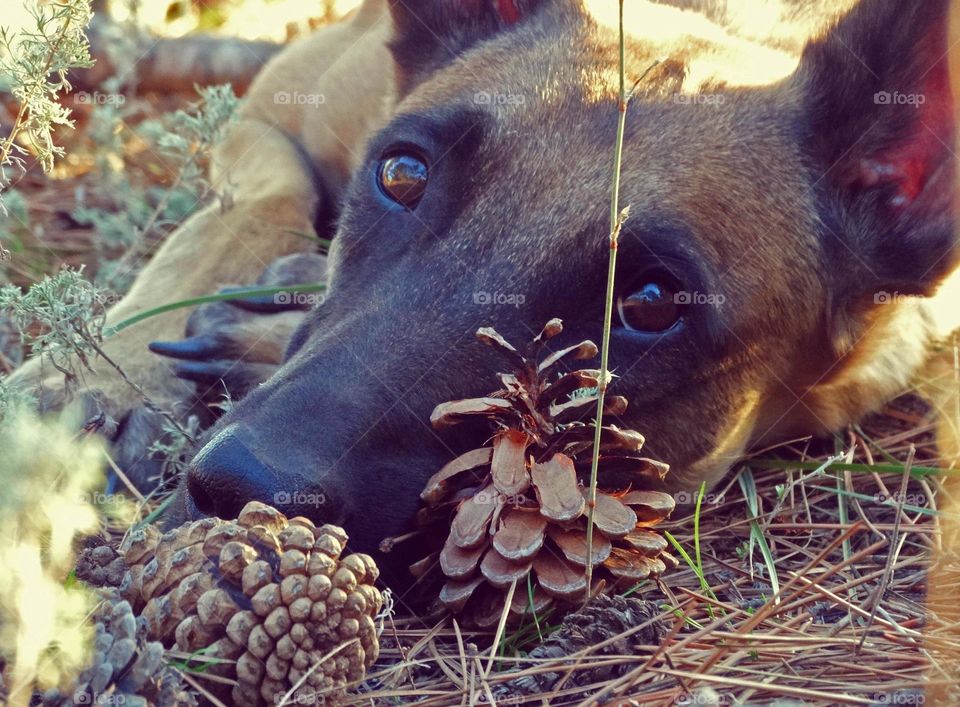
[436, 135]
[660, 244]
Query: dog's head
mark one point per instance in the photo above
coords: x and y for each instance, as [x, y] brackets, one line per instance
[769, 202]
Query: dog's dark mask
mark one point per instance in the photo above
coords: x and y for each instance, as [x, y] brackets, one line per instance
[756, 233]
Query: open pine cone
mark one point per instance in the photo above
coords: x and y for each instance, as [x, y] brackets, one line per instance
[270, 597]
[521, 502]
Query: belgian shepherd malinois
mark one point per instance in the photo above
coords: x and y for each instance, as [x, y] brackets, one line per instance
[791, 235]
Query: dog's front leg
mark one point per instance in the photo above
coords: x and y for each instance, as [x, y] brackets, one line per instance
[233, 346]
[272, 205]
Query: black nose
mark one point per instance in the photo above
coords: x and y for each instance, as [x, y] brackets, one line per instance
[226, 474]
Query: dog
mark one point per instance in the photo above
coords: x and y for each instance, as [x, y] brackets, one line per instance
[788, 265]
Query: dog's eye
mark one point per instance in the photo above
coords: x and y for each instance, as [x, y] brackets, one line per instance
[654, 307]
[403, 179]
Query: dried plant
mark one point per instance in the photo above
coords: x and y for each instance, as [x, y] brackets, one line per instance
[61, 318]
[34, 63]
[185, 140]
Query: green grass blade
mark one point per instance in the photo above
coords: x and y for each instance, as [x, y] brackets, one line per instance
[221, 297]
[697, 570]
[749, 488]
[917, 471]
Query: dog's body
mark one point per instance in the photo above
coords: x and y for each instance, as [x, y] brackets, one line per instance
[781, 212]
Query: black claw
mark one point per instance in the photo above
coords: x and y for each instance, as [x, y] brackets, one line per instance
[194, 348]
[203, 372]
[280, 302]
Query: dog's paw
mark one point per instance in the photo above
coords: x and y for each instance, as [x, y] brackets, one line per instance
[129, 425]
[233, 346]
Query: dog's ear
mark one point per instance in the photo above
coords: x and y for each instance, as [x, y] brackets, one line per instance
[879, 128]
[431, 33]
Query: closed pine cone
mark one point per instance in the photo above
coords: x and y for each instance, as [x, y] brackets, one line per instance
[125, 668]
[269, 597]
[520, 504]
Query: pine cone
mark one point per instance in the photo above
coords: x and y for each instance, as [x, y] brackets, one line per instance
[125, 665]
[521, 502]
[605, 617]
[100, 566]
[269, 597]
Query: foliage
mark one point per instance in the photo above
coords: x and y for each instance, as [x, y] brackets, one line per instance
[61, 317]
[34, 63]
[183, 140]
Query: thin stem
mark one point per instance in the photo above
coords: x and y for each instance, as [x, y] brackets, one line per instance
[616, 222]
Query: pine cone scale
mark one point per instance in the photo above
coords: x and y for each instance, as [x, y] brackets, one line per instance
[509, 464]
[470, 525]
[439, 484]
[521, 536]
[556, 483]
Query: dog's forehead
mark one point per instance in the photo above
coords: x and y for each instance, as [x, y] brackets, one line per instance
[572, 48]
[708, 140]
